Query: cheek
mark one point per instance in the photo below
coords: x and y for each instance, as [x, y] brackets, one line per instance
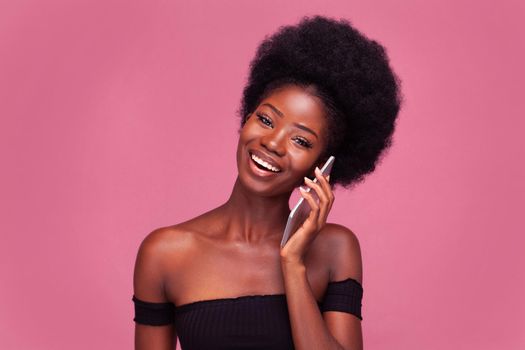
[248, 132]
[243, 132]
[301, 163]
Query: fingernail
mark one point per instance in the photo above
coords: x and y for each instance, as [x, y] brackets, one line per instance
[317, 170]
[302, 189]
[328, 178]
[307, 179]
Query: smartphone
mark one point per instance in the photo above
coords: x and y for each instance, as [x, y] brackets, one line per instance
[302, 209]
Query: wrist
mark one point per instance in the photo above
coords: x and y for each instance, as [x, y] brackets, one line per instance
[292, 265]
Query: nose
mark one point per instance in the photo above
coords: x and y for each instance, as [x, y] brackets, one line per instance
[274, 141]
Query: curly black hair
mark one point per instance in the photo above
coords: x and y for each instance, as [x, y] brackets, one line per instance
[352, 76]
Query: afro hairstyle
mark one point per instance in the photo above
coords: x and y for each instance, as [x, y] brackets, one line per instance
[350, 73]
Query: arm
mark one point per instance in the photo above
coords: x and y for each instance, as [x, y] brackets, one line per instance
[332, 329]
[148, 285]
[309, 331]
[347, 262]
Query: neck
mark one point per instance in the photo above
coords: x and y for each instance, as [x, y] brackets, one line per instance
[252, 218]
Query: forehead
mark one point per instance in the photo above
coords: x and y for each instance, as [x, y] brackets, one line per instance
[298, 105]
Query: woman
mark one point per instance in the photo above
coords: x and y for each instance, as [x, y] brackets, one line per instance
[221, 280]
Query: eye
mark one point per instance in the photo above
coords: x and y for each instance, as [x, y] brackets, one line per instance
[264, 119]
[303, 142]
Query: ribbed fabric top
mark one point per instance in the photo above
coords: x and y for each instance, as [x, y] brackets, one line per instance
[248, 322]
[245, 322]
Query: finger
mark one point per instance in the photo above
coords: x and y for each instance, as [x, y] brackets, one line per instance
[323, 198]
[325, 184]
[324, 202]
[314, 212]
[323, 180]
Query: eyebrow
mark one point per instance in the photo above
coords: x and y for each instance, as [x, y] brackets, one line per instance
[280, 114]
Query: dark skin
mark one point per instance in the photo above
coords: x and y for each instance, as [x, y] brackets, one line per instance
[234, 250]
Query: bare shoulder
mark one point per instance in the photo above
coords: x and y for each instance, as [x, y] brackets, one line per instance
[169, 245]
[158, 252]
[168, 242]
[343, 252]
[172, 236]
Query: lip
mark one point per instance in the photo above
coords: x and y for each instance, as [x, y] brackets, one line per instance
[265, 157]
[260, 172]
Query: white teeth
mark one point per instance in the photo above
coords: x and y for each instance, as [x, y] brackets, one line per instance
[264, 164]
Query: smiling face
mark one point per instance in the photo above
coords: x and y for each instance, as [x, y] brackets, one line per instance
[282, 141]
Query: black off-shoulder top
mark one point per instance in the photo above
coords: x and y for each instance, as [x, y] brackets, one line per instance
[245, 322]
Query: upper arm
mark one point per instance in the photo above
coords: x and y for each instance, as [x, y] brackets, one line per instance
[346, 262]
[148, 285]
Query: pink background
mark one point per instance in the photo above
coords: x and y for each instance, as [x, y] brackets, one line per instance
[117, 117]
